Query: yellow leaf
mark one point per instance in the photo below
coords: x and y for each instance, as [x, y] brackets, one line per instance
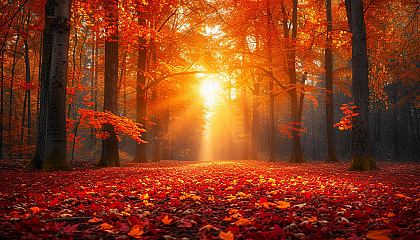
[196, 198]
[381, 234]
[313, 219]
[390, 214]
[136, 231]
[243, 222]
[227, 218]
[282, 204]
[144, 196]
[166, 220]
[226, 235]
[105, 226]
[211, 198]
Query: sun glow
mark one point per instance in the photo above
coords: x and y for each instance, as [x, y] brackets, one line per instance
[210, 90]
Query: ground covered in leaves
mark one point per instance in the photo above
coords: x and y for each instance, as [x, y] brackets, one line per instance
[211, 200]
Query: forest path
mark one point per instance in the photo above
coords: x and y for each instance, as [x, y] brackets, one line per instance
[219, 199]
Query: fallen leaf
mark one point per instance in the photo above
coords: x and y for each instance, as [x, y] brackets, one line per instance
[136, 231]
[281, 204]
[166, 220]
[381, 234]
[208, 227]
[94, 220]
[243, 222]
[105, 226]
[226, 235]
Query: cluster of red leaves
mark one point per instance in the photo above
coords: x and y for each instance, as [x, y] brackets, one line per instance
[96, 119]
[291, 127]
[346, 121]
[212, 200]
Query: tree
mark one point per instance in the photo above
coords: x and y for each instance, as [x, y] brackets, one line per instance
[361, 146]
[296, 108]
[141, 92]
[329, 100]
[110, 156]
[56, 145]
[37, 159]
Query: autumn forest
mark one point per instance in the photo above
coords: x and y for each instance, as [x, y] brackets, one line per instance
[210, 119]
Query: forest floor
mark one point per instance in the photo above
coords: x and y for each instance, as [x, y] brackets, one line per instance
[211, 200]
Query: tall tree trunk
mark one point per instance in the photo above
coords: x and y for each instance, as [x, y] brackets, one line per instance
[56, 145]
[297, 155]
[245, 149]
[255, 120]
[329, 97]
[110, 156]
[361, 149]
[141, 96]
[165, 142]
[47, 42]
[157, 141]
[272, 128]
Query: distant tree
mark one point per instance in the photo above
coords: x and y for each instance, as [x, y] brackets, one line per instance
[361, 146]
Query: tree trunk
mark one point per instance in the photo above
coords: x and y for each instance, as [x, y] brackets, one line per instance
[56, 145]
[157, 141]
[110, 157]
[141, 96]
[47, 42]
[165, 142]
[255, 121]
[245, 149]
[329, 97]
[297, 155]
[361, 149]
[272, 126]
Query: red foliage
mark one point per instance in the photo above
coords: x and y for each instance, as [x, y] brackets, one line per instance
[288, 129]
[346, 121]
[198, 200]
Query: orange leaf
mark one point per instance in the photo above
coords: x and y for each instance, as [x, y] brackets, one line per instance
[226, 235]
[381, 234]
[209, 227]
[282, 204]
[136, 231]
[105, 226]
[94, 220]
[166, 220]
[36, 210]
[243, 222]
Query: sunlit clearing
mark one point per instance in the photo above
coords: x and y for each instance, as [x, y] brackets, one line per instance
[210, 91]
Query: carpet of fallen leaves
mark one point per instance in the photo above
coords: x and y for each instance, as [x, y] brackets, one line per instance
[211, 200]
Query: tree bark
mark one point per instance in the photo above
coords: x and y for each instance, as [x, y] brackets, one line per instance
[297, 154]
[110, 156]
[47, 41]
[141, 96]
[56, 145]
[245, 149]
[329, 97]
[361, 149]
[255, 120]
